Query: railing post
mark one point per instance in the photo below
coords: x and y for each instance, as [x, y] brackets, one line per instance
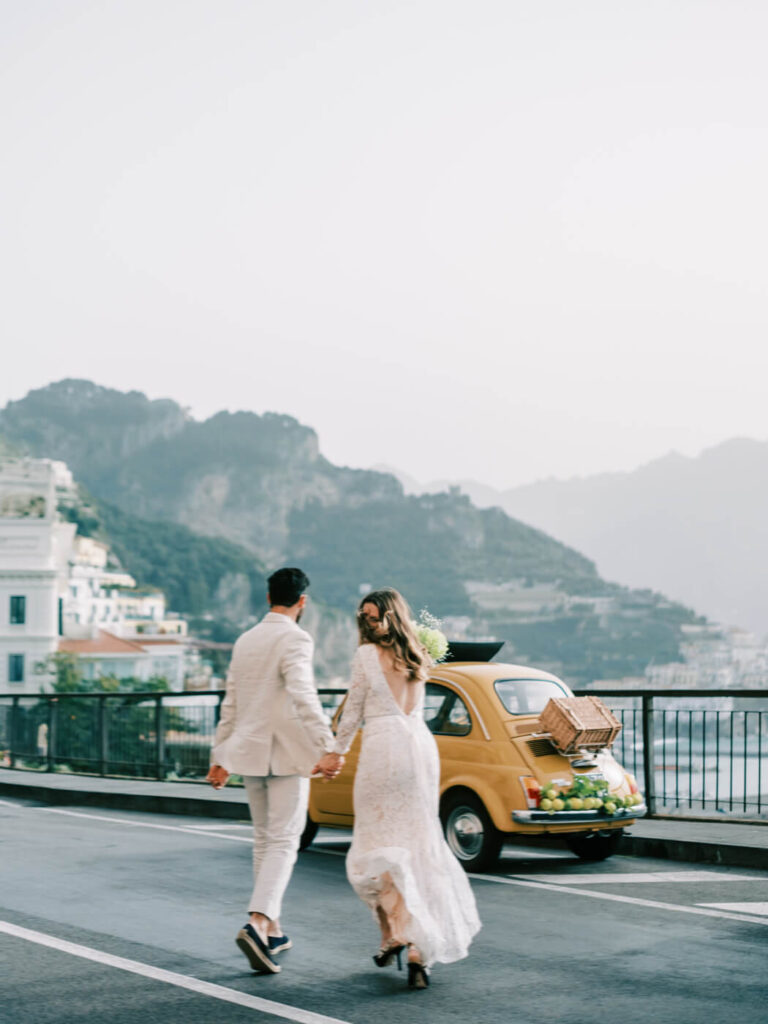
[52, 719]
[14, 728]
[159, 739]
[648, 759]
[103, 741]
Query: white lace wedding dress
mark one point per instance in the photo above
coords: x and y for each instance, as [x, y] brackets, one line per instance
[398, 839]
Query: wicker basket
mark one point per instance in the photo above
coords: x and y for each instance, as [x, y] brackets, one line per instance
[579, 723]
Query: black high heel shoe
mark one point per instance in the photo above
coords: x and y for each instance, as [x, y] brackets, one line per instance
[387, 953]
[418, 975]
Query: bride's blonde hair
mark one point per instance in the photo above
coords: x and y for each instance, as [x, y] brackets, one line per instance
[395, 632]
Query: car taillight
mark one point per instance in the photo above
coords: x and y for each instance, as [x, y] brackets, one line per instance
[632, 782]
[532, 790]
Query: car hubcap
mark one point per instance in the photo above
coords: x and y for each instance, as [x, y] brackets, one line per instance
[465, 832]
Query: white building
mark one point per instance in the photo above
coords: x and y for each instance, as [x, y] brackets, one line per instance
[100, 597]
[58, 592]
[34, 545]
[102, 653]
[87, 603]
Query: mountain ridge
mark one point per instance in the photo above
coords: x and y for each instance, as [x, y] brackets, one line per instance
[261, 482]
[693, 527]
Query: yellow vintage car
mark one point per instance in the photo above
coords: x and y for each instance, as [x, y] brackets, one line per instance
[496, 771]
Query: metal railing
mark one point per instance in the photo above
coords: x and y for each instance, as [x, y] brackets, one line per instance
[121, 735]
[695, 753]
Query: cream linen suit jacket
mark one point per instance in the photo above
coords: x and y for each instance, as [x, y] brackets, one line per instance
[272, 722]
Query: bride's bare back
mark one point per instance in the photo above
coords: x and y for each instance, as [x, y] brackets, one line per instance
[405, 693]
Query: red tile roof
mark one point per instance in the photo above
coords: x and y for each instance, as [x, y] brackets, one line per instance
[104, 643]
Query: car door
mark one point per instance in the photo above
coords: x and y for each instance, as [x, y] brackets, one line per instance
[458, 737]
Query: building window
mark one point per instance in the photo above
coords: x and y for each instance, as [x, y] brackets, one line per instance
[15, 668]
[18, 610]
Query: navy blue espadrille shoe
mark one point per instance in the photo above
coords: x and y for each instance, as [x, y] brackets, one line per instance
[256, 950]
[279, 944]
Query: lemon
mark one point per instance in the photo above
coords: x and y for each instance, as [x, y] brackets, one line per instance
[545, 804]
[576, 803]
[610, 807]
[558, 804]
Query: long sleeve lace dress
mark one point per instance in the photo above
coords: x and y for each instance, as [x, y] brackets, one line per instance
[399, 859]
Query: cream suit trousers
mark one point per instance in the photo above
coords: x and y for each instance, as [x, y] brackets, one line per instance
[279, 813]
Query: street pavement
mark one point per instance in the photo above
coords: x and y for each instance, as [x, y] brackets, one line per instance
[130, 918]
[741, 844]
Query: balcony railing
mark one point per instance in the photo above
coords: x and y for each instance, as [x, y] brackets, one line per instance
[695, 753]
[117, 734]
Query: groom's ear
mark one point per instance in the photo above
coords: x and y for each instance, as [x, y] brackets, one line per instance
[302, 602]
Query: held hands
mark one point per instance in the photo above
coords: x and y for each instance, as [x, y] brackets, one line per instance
[217, 776]
[329, 766]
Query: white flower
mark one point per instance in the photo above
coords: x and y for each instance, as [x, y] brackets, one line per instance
[430, 635]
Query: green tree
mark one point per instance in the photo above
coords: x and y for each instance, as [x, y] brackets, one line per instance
[128, 718]
[67, 672]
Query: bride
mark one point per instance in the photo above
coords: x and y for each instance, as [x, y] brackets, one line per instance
[399, 862]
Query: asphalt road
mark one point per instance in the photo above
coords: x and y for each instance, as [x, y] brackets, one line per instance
[130, 918]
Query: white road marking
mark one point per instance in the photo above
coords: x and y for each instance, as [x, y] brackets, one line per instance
[203, 988]
[219, 828]
[145, 824]
[744, 908]
[513, 852]
[584, 878]
[656, 904]
[190, 830]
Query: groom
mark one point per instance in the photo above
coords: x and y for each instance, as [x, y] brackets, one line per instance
[273, 732]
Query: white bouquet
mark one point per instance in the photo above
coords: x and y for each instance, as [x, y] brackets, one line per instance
[431, 635]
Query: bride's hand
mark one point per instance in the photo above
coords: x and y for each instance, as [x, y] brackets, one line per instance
[329, 765]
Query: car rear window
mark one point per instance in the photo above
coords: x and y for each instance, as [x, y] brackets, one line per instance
[527, 696]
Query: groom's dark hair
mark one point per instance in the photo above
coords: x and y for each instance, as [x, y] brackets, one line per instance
[286, 586]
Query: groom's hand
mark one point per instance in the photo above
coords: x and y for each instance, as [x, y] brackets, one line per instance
[217, 776]
[330, 765]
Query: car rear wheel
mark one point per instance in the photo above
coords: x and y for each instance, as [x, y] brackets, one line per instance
[469, 832]
[595, 845]
[309, 833]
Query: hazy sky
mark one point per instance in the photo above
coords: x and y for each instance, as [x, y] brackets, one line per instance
[503, 240]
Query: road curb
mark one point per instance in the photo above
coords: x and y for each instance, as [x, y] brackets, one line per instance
[694, 851]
